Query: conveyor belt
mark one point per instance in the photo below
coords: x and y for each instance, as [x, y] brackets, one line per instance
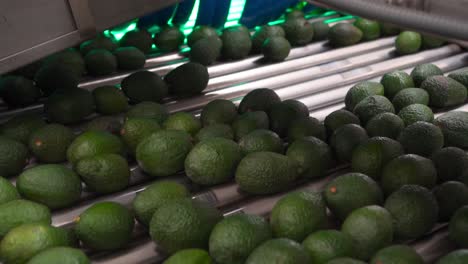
[316, 75]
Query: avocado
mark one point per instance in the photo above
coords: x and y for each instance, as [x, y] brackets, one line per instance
[423, 71]
[416, 112]
[68, 107]
[110, 100]
[183, 121]
[236, 236]
[293, 14]
[414, 210]
[397, 254]
[49, 144]
[410, 96]
[219, 111]
[450, 196]
[266, 173]
[370, 228]
[339, 118]
[298, 214]
[289, 251]
[148, 109]
[60, 255]
[265, 32]
[444, 91]
[281, 116]
[431, 42]
[111, 124]
[389, 29]
[135, 129]
[236, 43]
[325, 245]
[18, 212]
[450, 163]
[17, 91]
[222, 155]
[385, 125]
[345, 261]
[408, 169]
[156, 195]
[206, 50]
[320, 30]
[129, 58]
[457, 231]
[52, 77]
[100, 42]
[396, 81]
[421, 138]
[460, 76]
[298, 31]
[188, 79]
[14, 157]
[144, 86]
[189, 256]
[372, 106]
[92, 143]
[351, 191]
[200, 32]
[213, 131]
[69, 57]
[371, 156]
[370, 28]
[173, 233]
[304, 127]
[105, 226]
[248, 122]
[163, 152]
[8, 191]
[25, 241]
[459, 256]
[169, 39]
[408, 42]
[276, 49]
[344, 34]
[314, 156]
[100, 62]
[454, 126]
[345, 139]
[361, 91]
[20, 127]
[261, 140]
[261, 99]
[53, 185]
[140, 39]
[105, 173]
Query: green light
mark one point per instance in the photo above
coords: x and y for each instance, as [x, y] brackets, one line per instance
[235, 13]
[119, 32]
[332, 20]
[188, 27]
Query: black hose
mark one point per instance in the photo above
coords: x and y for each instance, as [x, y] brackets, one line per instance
[404, 17]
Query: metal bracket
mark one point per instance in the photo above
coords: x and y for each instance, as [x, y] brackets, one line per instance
[84, 19]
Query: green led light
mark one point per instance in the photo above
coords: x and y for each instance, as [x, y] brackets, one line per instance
[235, 13]
[120, 31]
[188, 27]
[328, 21]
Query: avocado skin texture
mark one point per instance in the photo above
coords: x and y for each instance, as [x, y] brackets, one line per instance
[344, 34]
[248, 122]
[18, 212]
[345, 139]
[189, 256]
[370, 28]
[148, 109]
[60, 255]
[53, 185]
[444, 91]
[236, 43]
[410, 96]
[266, 172]
[140, 39]
[21, 127]
[49, 144]
[144, 86]
[200, 32]
[423, 71]
[261, 99]
[206, 50]
[454, 126]
[360, 91]
[92, 143]
[169, 39]
[280, 248]
[100, 62]
[408, 42]
[174, 233]
[459, 256]
[314, 156]
[25, 241]
[68, 107]
[450, 196]
[397, 253]
[188, 79]
[421, 138]
[298, 31]
[414, 210]
[219, 111]
[236, 236]
[17, 91]
[8, 191]
[14, 156]
[263, 34]
[99, 42]
[450, 162]
[129, 58]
